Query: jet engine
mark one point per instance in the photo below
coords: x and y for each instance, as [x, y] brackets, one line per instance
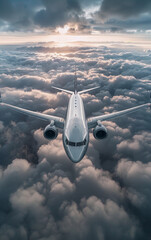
[51, 132]
[100, 132]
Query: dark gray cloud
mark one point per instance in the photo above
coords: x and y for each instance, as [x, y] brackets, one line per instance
[121, 16]
[51, 199]
[136, 23]
[129, 8]
[58, 13]
[28, 15]
[6, 10]
[17, 15]
[45, 15]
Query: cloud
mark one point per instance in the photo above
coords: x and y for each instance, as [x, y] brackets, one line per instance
[125, 9]
[1, 126]
[16, 15]
[136, 179]
[43, 16]
[43, 195]
[123, 16]
[58, 13]
[99, 216]
[6, 10]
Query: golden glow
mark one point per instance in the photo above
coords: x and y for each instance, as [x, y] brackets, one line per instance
[63, 30]
[76, 39]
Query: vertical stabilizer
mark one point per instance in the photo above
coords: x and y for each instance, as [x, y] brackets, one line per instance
[75, 81]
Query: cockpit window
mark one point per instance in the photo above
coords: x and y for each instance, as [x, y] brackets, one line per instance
[74, 144]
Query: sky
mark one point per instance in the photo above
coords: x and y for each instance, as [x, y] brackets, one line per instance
[43, 195]
[48, 17]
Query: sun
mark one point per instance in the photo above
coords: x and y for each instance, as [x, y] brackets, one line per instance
[62, 30]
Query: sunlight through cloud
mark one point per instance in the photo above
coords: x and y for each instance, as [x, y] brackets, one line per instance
[63, 30]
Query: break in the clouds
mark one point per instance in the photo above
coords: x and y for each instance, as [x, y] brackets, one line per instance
[80, 16]
[43, 195]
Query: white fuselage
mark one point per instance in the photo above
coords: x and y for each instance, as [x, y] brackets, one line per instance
[75, 137]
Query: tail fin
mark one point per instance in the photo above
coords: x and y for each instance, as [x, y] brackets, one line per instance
[75, 81]
[63, 90]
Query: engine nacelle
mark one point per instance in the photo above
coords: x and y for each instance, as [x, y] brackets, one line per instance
[51, 132]
[100, 132]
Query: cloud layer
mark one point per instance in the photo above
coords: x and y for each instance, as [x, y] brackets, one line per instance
[42, 194]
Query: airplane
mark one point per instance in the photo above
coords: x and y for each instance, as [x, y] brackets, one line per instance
[76, 126]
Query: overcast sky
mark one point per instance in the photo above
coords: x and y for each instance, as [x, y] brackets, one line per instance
[81, 16]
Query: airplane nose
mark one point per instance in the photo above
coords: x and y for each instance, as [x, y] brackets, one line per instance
[76, 154]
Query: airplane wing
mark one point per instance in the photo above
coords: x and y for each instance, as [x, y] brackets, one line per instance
[59, 122]
[92, 122]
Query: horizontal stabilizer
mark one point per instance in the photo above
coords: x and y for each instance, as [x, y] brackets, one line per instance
[88, 90]
[63, 90]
